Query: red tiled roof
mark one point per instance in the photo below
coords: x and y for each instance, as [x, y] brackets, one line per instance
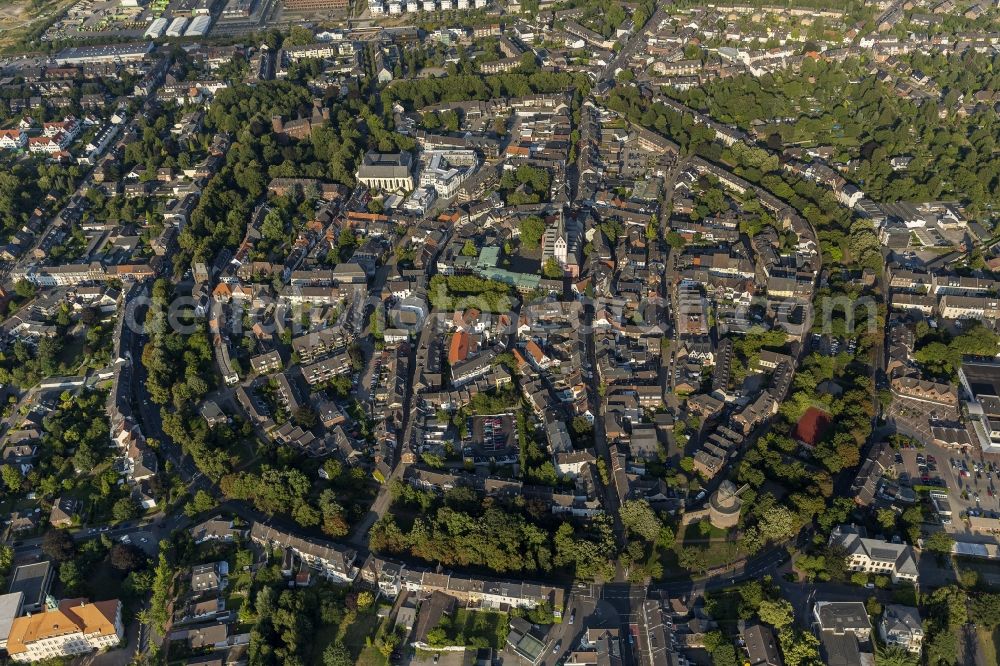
[459, 349]
[811, 426]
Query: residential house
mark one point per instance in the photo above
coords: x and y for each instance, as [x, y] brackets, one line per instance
[266, 363]
[63, 512]
[900, 625]
[216, 529]
[761, 646]
[209, 577]
[331, 560]
[844, 631]
[212, 414]
[392, 578]
[898, 561]
[13, 139]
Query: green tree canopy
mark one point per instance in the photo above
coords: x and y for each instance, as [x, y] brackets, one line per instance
[531, 227]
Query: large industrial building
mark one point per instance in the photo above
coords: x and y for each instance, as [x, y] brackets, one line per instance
[317, 5]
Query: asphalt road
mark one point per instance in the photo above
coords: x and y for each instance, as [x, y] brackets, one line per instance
[632, 46]
[611, 500]
[145, 534]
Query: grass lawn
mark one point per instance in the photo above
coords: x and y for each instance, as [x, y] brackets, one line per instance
[989, 644]
[71, 355]
[370, 656]
[324, 635]
[711, 544]
[211, 551]
[18, 503]
[486, 628]
[246, 453]
[710, 556]
[95, 509]
[703, 530]
[352, 632]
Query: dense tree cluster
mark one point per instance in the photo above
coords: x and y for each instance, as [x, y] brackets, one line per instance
[941, 355]
[606, 16]
[451, 292]
[419, 93]
[721, 649]
[286, 621]
[458, 529]
[525, 185]
[288, 492]
[447, 120]
[947, 612]
[162, 586]
[649, 539]
[285, 217]
[493, 538]
[853, 8]
[256, 155]
[73, 455]
[480, 629]
[864, 119]
[760, 599]
[24, 365]
[775, 523]
[679, 128]
[964, 73]
[155, 147]
[175, 383]
[552, 270]
[178, 387]
[27, 182]
[586, 553]
[535, 462]
[531, 229]
[746, 352]
[850, 412]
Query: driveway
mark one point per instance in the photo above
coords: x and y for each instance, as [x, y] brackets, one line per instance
[121, 656]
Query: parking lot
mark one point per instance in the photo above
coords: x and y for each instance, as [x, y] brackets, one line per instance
[491, 436]
[493, 433]
[969, 483]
